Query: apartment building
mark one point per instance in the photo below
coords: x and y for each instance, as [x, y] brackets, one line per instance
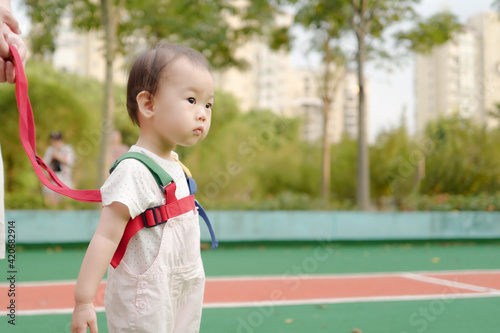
[271, 82]
[486, 27]
[262, 84]
[462, 76]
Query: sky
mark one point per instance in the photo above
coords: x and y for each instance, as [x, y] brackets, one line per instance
[391, 92]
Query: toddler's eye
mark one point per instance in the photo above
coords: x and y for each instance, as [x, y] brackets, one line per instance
[191, 100]
[208, 106]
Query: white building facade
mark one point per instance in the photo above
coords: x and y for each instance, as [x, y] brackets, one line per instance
[83, 53]
[462, 76]
[271, 83]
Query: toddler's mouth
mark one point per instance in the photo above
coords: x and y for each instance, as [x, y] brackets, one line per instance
[199, 130]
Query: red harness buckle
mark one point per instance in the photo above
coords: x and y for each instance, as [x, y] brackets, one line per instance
[151, 215]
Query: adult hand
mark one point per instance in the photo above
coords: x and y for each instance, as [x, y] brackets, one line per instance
[8, 19]
[7, 73]
[9, 36]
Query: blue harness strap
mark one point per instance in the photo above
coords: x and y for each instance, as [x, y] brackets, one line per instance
[204, 215]
[192, 190]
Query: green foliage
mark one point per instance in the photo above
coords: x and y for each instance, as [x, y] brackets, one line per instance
[394, 160]
[456, 202]
[202, 25]
[343, 178]
[234, 164]
[86, 14]
[462, 159]
[457, 161]
[435, 31]
[44, 25]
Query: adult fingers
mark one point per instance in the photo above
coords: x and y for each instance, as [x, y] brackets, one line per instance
[4, 47]
[10, 73]
[7, 18]
[2, 70]
[17, 41]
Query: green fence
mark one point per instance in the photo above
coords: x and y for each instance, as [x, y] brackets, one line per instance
[46, 226]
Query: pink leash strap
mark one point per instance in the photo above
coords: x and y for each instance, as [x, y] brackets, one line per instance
[27, 135]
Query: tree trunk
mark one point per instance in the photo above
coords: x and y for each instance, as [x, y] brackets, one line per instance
[326, 177]
[326, 165]
[363, 183]
[109, 22]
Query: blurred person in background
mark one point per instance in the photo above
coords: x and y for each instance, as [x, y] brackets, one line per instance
[10, 35]
[60, 157]
[117, 148]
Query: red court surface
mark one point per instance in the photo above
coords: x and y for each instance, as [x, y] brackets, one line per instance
[57, 297]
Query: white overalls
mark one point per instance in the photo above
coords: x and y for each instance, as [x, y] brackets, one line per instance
[158, 286]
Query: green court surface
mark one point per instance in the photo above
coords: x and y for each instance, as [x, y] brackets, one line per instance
[458, 316]
[451, 315]
[62, 262]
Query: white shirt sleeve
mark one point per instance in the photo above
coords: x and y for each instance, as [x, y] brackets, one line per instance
[133, 185]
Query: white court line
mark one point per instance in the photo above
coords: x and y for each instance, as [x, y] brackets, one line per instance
[284, 276]
[41, 283]
[47, 311]
[284, 303]
[348, 275]
[480, 292]
[345, 300]
[450, 283]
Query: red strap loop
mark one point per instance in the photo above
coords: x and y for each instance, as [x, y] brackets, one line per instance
[27, 134]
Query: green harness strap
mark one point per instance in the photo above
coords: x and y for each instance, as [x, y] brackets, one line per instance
[161, 176]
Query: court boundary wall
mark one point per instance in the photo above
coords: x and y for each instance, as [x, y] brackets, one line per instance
[49, 226]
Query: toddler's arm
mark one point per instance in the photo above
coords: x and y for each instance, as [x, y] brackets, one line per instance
[103, 245]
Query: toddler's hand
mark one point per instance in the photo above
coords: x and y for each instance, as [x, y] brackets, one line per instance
[84, 316]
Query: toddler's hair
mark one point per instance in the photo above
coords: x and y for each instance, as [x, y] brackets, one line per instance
[147, 69]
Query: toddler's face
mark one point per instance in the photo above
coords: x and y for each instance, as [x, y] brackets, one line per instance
[183, 103]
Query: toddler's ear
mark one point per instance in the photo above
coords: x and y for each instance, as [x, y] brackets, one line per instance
[145, 104]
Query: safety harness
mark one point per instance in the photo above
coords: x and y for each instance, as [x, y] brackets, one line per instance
[150, 218]
[155, 216]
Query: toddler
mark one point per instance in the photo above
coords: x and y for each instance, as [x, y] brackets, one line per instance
[158, 284]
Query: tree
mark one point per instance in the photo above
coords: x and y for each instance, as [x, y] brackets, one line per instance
[431, 32]
[333, 73]
[369, 21]
[496, 5]
[109, 21]
[325, 23]
[147, 22]
[129, 23]
[44, 27]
